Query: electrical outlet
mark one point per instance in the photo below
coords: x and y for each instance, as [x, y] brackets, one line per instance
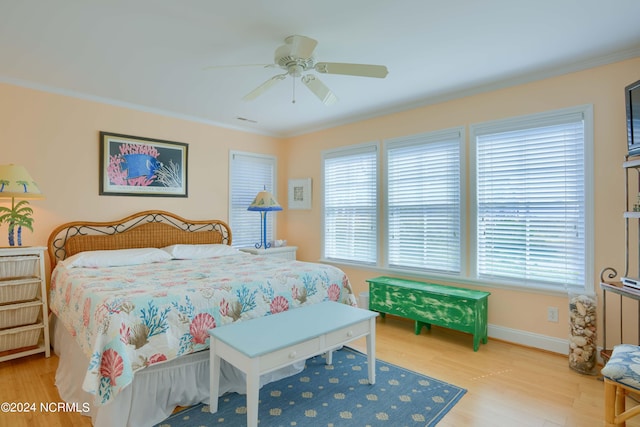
[552, 314]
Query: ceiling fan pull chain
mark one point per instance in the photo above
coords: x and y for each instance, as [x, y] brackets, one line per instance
[293, 97]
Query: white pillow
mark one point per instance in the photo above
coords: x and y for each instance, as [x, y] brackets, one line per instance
[116, 257]
[199, 251]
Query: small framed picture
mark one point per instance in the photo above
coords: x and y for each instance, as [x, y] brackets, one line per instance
[136, 166]
[300, 193]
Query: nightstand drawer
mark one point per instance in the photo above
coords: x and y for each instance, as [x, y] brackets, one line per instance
[347, 334]
[24, 336]
[18, 290]
[12, 267]
[290, 354]
[286, 252]
[22, 314]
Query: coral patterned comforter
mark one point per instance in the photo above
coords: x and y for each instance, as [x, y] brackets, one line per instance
[127, 318]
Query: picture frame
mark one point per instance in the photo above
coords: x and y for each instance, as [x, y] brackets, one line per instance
[138, 166]
[300, 193]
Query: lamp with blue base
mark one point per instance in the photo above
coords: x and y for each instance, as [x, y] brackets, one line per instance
[263, 203]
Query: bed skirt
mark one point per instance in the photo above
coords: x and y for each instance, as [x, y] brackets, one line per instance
[155, 391]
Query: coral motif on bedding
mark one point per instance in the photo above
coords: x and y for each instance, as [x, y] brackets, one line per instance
[155, 319]
[127, 318]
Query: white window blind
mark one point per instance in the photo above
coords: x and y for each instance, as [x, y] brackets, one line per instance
[531, 202]
[350, 204]
[423, 202]
[249, 174]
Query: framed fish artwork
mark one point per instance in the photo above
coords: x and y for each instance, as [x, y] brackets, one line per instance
[136, 166]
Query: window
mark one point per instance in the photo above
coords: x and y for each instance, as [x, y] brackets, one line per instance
[350, 204]
[249, 174]
[423, 202]
[531, 206]
[523, 218]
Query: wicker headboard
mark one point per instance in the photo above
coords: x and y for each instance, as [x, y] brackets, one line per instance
[145, 229]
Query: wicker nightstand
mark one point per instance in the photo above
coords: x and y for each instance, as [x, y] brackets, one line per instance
[24, 324]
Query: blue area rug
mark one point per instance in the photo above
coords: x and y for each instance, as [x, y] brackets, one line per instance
[335, 395]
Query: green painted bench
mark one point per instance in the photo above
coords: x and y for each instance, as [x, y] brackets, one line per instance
[429, 304]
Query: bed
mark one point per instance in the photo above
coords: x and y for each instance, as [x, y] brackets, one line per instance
[132, 301]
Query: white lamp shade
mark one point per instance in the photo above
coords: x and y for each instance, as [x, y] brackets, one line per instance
[16, 182]
[264, 201]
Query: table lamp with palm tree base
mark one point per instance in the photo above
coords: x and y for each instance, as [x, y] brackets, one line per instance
[15, 182]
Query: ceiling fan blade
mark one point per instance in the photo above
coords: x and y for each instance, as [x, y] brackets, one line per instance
[319, 89]
[301, 46]
[362, 70]
[264, 87]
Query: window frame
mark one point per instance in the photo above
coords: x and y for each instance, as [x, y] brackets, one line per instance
[271, 219]
[524, 122]
[417, 140]
[343, 152]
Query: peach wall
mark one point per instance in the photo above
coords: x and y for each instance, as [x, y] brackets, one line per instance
[56, 138]
[601, 86]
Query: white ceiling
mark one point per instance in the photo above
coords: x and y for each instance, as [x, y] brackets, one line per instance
[151, 54]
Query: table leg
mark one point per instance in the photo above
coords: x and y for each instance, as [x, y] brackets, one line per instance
[371, 350]
[329, 357]
[214, 376]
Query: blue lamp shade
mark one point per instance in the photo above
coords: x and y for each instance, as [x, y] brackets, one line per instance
[263, 203]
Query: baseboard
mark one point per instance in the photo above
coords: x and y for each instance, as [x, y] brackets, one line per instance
[529, 339]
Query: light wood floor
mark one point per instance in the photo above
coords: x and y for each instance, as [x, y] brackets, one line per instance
[507, 385]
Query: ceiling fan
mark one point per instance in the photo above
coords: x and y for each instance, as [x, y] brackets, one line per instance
[296, 58]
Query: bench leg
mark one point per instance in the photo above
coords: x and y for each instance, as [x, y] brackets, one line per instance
[476, 342]
[253, 394]
[419, 325]
[371, 351]
[214, 377]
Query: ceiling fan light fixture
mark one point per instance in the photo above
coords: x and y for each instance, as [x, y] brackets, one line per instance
[295, 70]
